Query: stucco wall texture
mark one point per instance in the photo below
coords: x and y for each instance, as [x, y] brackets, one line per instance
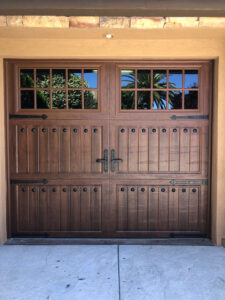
[165, 43]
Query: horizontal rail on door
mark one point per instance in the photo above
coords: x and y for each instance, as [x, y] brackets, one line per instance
[195, 117]
[205, 181]
[43, 117]
[17, 181]
[188, 235]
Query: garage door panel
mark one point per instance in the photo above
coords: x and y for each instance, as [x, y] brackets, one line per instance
[160, 208]
[151, 150]
[58, 149]
[58, 208]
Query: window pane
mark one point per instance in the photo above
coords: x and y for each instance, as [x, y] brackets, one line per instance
[43, 79]
[191, 79]
[175, 100]
[143, 100]
[75, 99]
[74, 79]
[127, 100]
[191, 100]
[27, 99]
[26, 78]
[58, 78]
[90, 100]
[90, 78]
[127, 79]
[159, 79]
[175, 79]
[58, 99]
[43, 99]
[143, 79]
[159, 100]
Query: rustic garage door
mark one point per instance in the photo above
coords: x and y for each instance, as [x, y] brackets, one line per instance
[108, 149]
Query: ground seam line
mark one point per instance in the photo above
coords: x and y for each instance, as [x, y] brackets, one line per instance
[118, 264]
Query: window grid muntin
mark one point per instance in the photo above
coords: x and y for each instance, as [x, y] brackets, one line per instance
[167, 90]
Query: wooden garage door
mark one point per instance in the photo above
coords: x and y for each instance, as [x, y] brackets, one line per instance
[108, 149]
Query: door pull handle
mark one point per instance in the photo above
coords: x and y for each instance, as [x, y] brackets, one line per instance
[114, 160]
[104, 160]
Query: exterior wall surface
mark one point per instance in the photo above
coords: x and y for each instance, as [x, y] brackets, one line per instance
[133, 44]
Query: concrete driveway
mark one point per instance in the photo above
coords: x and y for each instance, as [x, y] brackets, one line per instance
[110, 272]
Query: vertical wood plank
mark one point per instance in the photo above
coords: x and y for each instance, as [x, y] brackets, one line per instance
[163, 208]
[23, 208]
[184, 149]
[76, 150]
[132, 208]
[122, 211]
[85, 203]
[65, 149]
[54, 209]
[22, 149]
[75, 208]
[32, 149]
[183, 208]
[96, 208]
[123, 148]
[173, 208]
[43, 208]
[164, 150]
[142, 208]
[193, 209]
[86, 149]
[195, 150]
[133, 150]
[54, 147]
[153, 149]
[174, 150]
[96, 149]
[153, 208]
[33, 208]
[203, 208]
[65, 208]
[43, 150]
[143, 150]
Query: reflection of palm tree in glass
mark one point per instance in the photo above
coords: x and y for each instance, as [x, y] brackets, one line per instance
[159, 81]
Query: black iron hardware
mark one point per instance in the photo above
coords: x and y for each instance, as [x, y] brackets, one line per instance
[153, 190]
[204, 117]
[75, 130]
[195, 130]
[104, 160]
[163, 190]
[174, 130]
[173, 190]
[183, 190]
[85, 130]
[23, 189]
[164, 130]
[133, 130]
[194, 190]
[95, 189]
[143, 130]
[95, 130]
[153, 130]
[64, 130]
[185, 130]
[84, 189]
[75, 190]
[122, 189]
[44, 117]
[43, 190]
[33, 190]
[132, 189]
[18, 181]
[44, 129]
[143, 189]
[64, 190]
[189, 181]
[33, 129]
[22, 129]
[54, 190]
[54, 130]
[114, 160]
[122, 130]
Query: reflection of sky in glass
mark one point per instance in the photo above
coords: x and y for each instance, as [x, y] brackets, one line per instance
[159, 103]
[175, 79]
[127, 78]
[191, 79]
[91, 78]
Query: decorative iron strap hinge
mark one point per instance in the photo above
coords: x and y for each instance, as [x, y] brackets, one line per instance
[17, 181]
[197, 117]
[205, 181]
[44, 117]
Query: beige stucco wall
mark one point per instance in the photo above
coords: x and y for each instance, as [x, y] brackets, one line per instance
[127, 44]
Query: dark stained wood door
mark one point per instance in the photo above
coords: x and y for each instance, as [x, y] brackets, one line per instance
[108, 149]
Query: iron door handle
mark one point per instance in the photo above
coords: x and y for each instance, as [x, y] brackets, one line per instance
[104, 160]
[114, 160]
